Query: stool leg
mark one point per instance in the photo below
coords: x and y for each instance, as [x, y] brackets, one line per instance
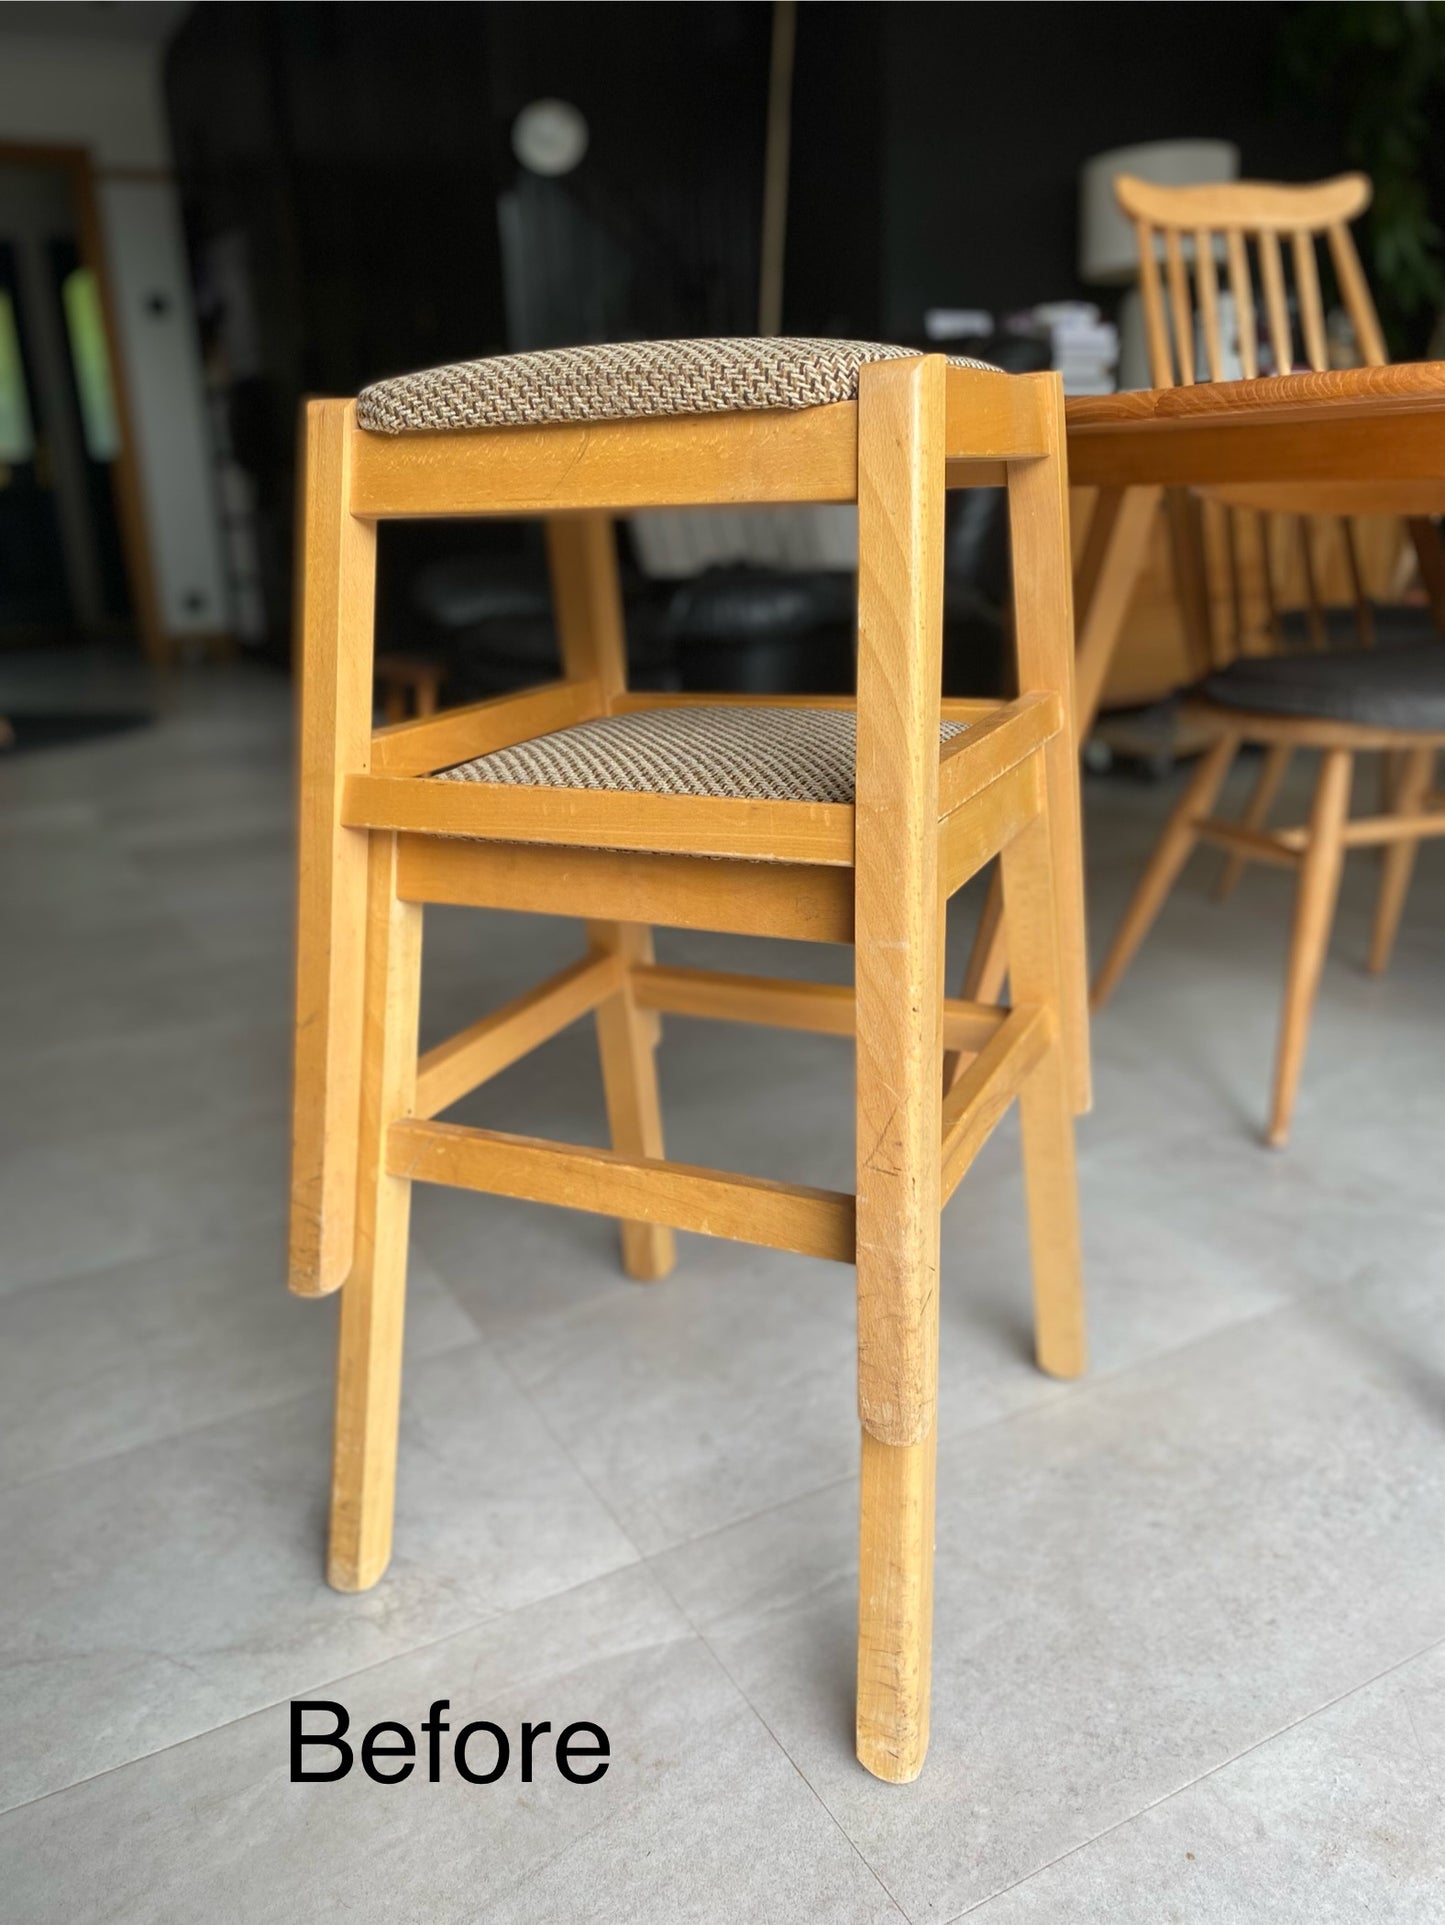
[899, 991]
[1045, 1107]
[987, 970]
[626, 1037]
[368, 1380]
[895, 1605]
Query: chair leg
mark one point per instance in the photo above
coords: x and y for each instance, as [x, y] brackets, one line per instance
[1398, 858]
[984, 978]
[895, 1605]
[1266, 788]
[626, 1037]
[368, 1381]
[1045, 1110]
[1169, 857]
[899, 1007]
[1319, 886]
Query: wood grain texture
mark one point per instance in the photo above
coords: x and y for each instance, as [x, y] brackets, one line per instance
[977, 1102]
[825, 1009]
[970, 762]
[748, 1209]
[368, 1381]
[974, 835]
[898, 927]
[807, 832]
[479, 728]
[485, 1048]
[1405, 387]
[677, 892]
[1038, 501]
[335, 740]
[895, 1605]
[611, 466]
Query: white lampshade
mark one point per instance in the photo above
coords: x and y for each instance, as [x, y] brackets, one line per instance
[1108, 252]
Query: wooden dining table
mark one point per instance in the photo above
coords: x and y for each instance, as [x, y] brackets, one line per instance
[1355, 441]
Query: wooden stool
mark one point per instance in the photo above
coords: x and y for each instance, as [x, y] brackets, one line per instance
[735, 815]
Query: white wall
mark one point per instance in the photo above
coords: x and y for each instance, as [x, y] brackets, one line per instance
[105, 95]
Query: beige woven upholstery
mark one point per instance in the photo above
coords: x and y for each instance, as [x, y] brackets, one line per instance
[624, 382]
[754, 754]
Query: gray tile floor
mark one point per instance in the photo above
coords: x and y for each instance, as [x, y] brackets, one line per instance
[1190, 1650]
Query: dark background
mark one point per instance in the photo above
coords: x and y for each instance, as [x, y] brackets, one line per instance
[363, 152]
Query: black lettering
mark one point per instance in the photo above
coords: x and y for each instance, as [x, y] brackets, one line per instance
[504, 1752]
[433, 1725]
[371, 1751]
[299, 1707]
[567, 1750]
[530, 1732]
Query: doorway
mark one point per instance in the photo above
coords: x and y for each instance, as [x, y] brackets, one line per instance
[73, 560]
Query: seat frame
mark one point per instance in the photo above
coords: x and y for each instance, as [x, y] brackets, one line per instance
[378, 840]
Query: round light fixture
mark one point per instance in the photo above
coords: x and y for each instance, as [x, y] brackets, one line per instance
[549, 137]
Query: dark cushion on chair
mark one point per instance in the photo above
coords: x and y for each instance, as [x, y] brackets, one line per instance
[1394, 688]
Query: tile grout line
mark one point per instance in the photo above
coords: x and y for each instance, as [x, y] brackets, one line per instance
[327, 1385]
[1167, 1797]
[327, 1684]
[813, 1790]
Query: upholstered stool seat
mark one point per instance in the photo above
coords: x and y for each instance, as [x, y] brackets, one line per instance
[1391, 688]
[751, 754]
[624, 381]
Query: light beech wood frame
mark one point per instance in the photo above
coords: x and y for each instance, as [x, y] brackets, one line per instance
[1323, 467]
[380, 839]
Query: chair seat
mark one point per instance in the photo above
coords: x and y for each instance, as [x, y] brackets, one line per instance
[625, 381]
[1400, 687]
[737, 751]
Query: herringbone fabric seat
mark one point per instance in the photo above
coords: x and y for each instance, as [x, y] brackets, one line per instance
[751, 754]
[624, 381]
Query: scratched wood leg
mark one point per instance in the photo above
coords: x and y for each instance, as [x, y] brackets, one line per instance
[1261, 801]
[626, 1038]
[899, 1004]
[335, 608]
[1046, 1113]
[1170, 855]
[895, 1606]
[368, 1380]
[1315, 898]
[1398, 858]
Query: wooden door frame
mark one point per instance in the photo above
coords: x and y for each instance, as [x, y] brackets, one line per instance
[76, 165]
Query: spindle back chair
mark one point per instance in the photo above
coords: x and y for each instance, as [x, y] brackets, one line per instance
[1270, 219]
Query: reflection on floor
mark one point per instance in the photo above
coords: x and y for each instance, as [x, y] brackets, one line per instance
[1189, 1658]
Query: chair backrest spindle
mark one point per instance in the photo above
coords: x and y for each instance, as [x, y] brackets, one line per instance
[1188, 343]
